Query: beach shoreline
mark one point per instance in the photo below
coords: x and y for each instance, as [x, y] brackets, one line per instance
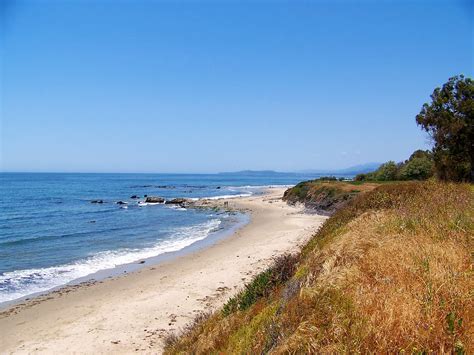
[240, 219]
[134, 312]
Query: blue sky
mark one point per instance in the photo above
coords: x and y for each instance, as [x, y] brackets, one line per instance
[194, 86]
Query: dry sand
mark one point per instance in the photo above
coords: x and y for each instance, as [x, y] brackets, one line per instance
[134, 312]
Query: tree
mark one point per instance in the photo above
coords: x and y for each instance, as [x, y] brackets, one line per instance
[420, 154]
[386, 172]
[418, 167]
[361, 177]
[449, 120]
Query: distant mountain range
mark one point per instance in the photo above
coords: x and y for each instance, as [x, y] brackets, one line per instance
[352, 170]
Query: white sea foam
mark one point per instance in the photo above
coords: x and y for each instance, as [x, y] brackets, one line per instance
[150, 203]
[20, 283]
[245, 191]
[176, 207]
[220, 197]
[257, 187]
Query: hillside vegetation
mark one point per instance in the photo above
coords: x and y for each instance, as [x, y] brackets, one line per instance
[323, 195]
[391, 271]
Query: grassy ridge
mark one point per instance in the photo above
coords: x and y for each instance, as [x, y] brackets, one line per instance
[325, 196]
[391, 271]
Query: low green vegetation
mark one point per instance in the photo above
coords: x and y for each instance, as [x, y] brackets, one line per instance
[391, 271]
[282, 269]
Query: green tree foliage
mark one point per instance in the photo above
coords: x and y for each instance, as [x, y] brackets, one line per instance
[386, 172]
[418, 167]
[361, 177]
[449, 120]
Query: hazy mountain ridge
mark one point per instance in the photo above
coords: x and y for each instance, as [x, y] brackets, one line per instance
[352, 170]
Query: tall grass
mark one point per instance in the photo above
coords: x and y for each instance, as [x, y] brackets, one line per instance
[392, 271]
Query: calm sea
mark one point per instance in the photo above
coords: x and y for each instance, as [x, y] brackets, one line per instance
[51, 233]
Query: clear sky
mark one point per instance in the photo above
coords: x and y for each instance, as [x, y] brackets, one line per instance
[194, 86]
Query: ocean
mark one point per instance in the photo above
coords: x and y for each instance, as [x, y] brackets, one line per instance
[51, 234]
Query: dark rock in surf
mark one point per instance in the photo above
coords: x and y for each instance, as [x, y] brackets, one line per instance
[154, 199]
[97, 201]
[134, 196]
[176, 201]
[121, 203]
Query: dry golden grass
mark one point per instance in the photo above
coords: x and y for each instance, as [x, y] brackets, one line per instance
[390, 272]
[351, 186]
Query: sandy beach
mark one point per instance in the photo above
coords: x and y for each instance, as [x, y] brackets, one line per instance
[134, 312]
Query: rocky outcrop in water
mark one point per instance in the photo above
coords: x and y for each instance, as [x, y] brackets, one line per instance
[177, 201]
[154, 199]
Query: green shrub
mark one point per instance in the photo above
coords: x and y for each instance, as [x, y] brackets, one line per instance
[263, 284]
[387, 172]
[417, 169]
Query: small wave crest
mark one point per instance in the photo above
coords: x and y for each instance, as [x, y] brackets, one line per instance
[177, 207]
[150, 203]
[220, 197]
[20, 283]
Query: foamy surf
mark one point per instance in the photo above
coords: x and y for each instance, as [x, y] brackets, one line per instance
[221, 197]
[177, 207]
[150, 203]
[21, 283]
[244, 191]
